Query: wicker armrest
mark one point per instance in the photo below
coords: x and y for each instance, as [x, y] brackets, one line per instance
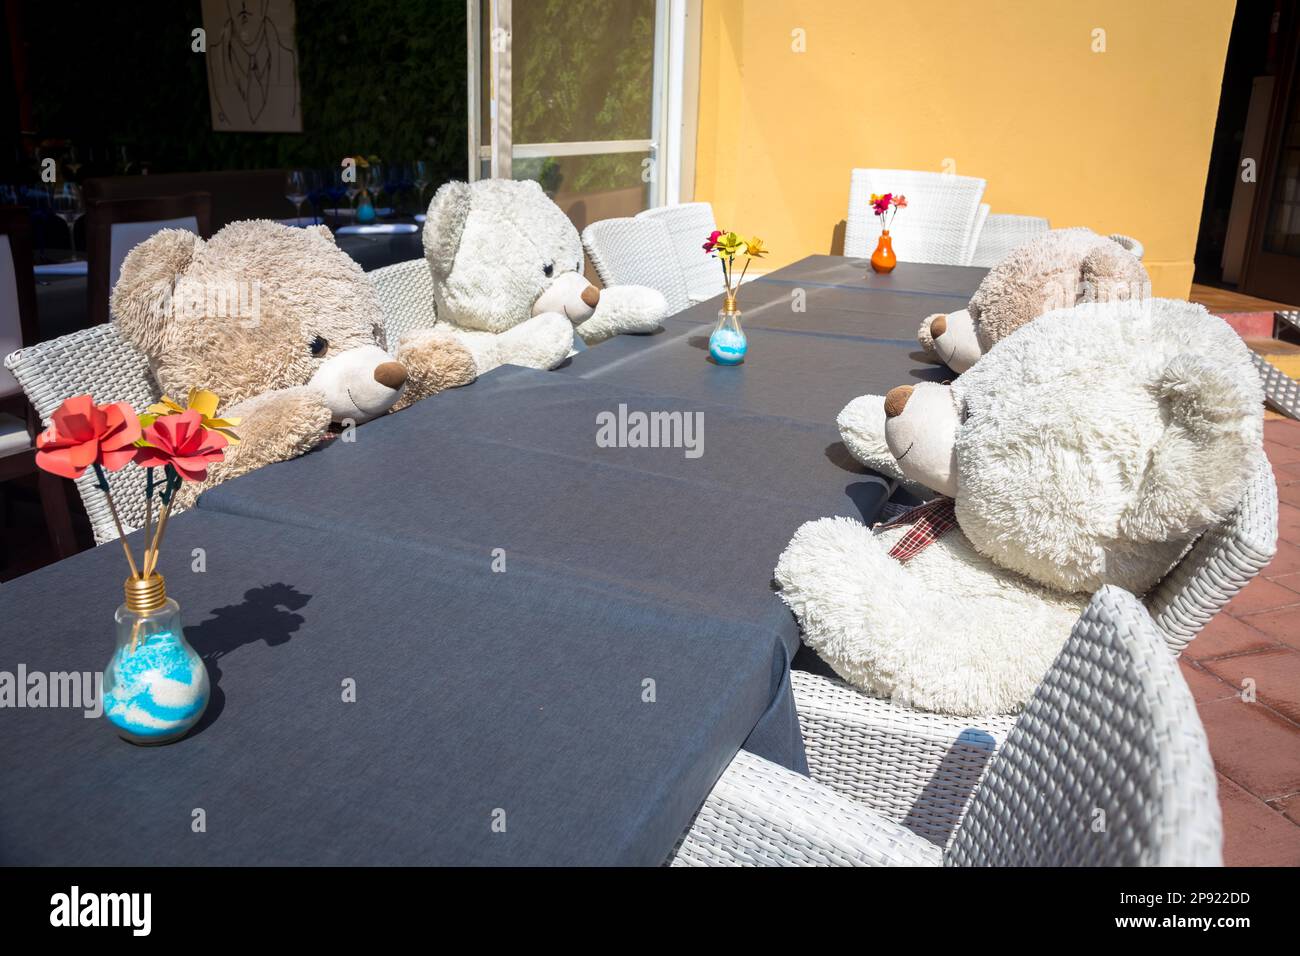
[915, 768]
[760, 814]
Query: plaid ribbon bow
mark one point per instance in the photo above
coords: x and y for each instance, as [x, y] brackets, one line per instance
[929, 522]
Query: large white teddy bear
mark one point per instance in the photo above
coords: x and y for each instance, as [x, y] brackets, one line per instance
[507, 277]
[1054, 270]
[1090, 447]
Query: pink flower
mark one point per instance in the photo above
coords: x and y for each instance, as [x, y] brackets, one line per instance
[900, 202]
[880, 204]
[712, 240]
[82, 434]
[182, 442]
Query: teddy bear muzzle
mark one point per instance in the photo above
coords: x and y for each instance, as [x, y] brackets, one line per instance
[360, 384]
[921, 431]
[954, 340]
[571, 295]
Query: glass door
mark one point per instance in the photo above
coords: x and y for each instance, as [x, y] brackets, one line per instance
[573, 94]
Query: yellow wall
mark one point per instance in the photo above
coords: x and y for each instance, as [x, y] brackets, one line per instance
[1010, 90]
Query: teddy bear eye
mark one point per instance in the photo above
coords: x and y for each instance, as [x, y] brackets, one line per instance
[548, 269]
[318, 346]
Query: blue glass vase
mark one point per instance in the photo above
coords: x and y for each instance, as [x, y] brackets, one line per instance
[155, 686]
[727, 344]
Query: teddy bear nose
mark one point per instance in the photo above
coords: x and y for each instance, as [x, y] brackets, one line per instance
[895, 399]
[390, 374]
[591, 296]
[938, 326]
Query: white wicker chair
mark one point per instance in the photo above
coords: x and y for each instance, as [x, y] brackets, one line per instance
[100, 362]
[1219, 565]
[405, 293]
[1281, 390]
[688, 225]
[920, 770]
[976, 231]
[1107, 766]
[1002, 233]
[639, 251]
[938, 224]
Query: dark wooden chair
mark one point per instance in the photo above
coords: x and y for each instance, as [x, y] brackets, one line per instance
[19, 424]
[115, 226]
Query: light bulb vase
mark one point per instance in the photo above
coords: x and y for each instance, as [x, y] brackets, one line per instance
[156, 686]
[728, 344]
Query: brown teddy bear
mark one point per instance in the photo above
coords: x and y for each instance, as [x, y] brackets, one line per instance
[281, 324]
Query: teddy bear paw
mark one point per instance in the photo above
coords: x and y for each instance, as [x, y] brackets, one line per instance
[542, 342]
[624, 309]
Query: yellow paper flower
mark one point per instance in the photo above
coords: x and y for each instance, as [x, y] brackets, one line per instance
[202, 401]
[731, 245]
[756, 249]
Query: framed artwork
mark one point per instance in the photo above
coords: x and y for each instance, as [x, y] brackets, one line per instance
[252, 63]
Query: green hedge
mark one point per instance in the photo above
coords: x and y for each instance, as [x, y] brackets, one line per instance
[384, 78]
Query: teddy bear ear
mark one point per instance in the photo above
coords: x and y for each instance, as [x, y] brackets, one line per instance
[1110, 273]
[141, 298]
[1211, 445]
[444, 224]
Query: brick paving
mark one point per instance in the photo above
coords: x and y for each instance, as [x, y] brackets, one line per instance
[1255, 643]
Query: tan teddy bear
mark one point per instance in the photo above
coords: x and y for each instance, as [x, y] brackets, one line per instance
[281, 324]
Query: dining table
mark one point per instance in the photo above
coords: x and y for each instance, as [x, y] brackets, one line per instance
[550, 594]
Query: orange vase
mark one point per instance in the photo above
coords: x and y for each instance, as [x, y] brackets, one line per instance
[883, 259]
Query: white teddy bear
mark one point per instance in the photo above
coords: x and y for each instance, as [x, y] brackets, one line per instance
[1054, 270]
[507, 277]
[1090, 447]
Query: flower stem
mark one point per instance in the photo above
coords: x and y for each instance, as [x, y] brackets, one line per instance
[172, 485]
[117, 522]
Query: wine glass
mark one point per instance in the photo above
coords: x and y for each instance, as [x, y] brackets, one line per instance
[423, 176]
[69, 206]
[375, 183]
[297, 188]
[335, 190]
[353, 188]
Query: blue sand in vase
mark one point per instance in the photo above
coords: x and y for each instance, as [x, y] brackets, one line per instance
[158, 692]
[728, 346]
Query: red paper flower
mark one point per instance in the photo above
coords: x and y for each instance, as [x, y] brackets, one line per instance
[82, 434]
[182, 442]
[880, 204]
[712, 240]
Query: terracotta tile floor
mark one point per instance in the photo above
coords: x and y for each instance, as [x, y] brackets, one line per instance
[1255, 643]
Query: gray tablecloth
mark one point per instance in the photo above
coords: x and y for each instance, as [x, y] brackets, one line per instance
[856, 335]
[480, 691]
[513, 462]
[480, 696]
